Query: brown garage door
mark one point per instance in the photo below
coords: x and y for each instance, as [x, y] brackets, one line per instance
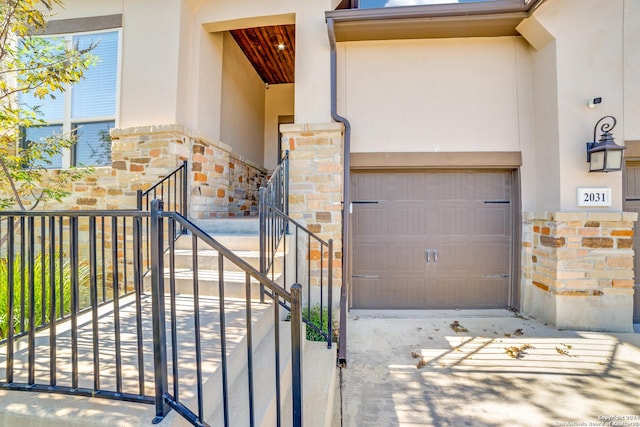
[632, 204]
[437, 239]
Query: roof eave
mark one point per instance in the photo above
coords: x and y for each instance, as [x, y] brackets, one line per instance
[484, 19]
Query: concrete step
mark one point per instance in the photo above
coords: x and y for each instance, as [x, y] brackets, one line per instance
[208, 283]
[226, 226]
[237, 376]
[37, 409]
[208, 259]
[265, 401]
[235, 242]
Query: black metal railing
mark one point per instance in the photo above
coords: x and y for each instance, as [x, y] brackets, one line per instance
[194, 344]
[75, 314]
[66, 281]
[312, 259]
[173, 191]
[272, 228]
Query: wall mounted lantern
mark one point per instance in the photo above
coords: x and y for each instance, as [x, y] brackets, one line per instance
[604, 155]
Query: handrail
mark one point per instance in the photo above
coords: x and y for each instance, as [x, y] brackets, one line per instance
[315, 275]
[276, 194]
[228, 254]
[157, 191]
[108, 243]
[166, 399]
[63, 269]
[173, 191]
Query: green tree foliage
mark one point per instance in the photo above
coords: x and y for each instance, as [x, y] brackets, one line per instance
[43, 67]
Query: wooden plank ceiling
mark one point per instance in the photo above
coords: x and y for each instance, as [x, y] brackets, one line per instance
[260, 46]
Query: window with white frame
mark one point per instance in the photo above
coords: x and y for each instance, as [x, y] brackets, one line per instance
[87, 108]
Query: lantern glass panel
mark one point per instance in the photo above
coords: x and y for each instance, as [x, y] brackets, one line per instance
[614, 159]
[597, 161]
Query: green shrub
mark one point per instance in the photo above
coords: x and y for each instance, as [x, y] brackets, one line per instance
[40, 299]
[313, 315]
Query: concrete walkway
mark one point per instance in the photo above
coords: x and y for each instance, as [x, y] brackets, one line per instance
[410, 368]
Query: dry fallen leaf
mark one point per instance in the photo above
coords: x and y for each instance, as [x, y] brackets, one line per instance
[457, 327]
[421, 363]
[517, 352]
[564, 352]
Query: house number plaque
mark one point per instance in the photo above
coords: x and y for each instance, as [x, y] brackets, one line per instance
[594, 197]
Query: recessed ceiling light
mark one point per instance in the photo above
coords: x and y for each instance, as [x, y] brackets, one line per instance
[281, 46]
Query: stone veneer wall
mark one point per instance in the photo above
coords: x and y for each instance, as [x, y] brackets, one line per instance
[316, 180]
[577, 269]
[221, 183]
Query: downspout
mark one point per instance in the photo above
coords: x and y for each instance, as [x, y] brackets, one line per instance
[346, 149]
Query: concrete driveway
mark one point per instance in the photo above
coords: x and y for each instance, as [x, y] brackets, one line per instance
[411, 368]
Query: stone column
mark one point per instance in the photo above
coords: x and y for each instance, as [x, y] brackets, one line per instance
[315, 176]
[577, 269]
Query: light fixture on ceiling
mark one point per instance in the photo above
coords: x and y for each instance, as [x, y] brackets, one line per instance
[281, 46]
[604, 155]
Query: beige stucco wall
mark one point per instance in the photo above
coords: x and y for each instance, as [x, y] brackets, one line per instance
[582, 58]
[178, 66]
[82, 8]
[447, 95]
[432, 95]
[631, 28]
[545, 95]
[149, 61]
[243, 102]
[312, 97]
[278, 102]
[205, 109]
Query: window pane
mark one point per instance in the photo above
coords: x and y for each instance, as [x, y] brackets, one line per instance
[40, 134]
[94, 144]
[95, 96]
[51, 108]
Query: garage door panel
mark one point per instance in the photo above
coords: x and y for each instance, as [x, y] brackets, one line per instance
[492, 258]
[456, 293]
[408, 221]
[406, 292]
[631, 203]
[452, 221]
[407, 258]
[397, 258]
[409, 186]
[370, 258]
[472, 258]
[465, 216]
[492, 186]
[390, 293]
[372, 222]
[372, 187]
[494, 221]
[370, 292]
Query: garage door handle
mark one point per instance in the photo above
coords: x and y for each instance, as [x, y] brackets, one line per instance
[495, 276]
[364, 276]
